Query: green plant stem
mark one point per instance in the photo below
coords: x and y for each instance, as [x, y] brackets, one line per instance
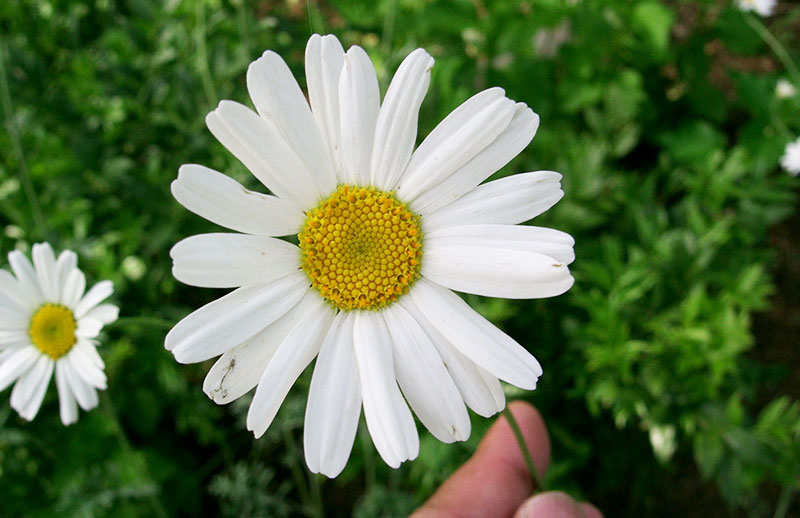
[776, 46]
[141, 321]
[369, 459]
[316, 493]
[294, 465]
[202, 55]
[526, 454]
[388, 26]
[784, 500]
[16, 143]
[111, 412]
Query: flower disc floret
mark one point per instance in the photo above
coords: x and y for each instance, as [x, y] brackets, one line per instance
[52, 330]
[361, 248]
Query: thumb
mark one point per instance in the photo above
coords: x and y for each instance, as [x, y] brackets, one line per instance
[554, 504]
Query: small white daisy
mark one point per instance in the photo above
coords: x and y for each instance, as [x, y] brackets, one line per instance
[784, 89]
[48, 323]
[385, 233]
[760, 7]
[790, 161]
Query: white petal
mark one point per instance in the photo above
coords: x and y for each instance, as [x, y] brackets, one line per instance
[232, 260]
[541, 240]
[261, 148]
[359, 103]
[44, 261]
[97, 294]
[232, 319]
[506, 146]
[14, 292]
[474, 336]
[334, 401]
[14, 337]
[88, 328]
[496, 272]
[104, 313]
[457, 139]
[424, 380]
[26, 276]
[14, 318]
[73, 288]
[388, 419]
[28, 393]
[85, 367]
[294, 354]
[83, 392]
[67, 405]
[481, 391]
[67, 261]
[222, 200]
[396, 127]
[90, 351]
[324, 61]
[278, 99]
[16, 364]
[509, 200]
[238, 370]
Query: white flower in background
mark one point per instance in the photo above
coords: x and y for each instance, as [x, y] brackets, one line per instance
[384, 236]
[784, 89]
[790, 161]
[48, 322]
[760, 7]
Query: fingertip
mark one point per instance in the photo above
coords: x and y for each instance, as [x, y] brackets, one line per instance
[552, 504]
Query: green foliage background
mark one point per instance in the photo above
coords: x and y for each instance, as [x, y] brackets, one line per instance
[661, 116]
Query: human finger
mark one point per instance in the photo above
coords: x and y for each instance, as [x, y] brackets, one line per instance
[495, 480]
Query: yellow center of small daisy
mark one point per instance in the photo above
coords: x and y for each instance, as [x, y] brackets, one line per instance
[361, 248]
[52, 330]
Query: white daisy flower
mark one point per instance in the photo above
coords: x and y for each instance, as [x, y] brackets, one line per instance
[48, 322]
[384, 235]
[784, 89]
[790, 161]
[760, 7]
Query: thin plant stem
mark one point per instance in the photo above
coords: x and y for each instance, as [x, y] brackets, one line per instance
[294, 465]
[369, 458]
[110, 411]
[526, 454]
[316, 494]
[16, 143]
[388, 26]
[776, 46]
[141, 322]
[202, 55]
[244, 33]
[784, 500]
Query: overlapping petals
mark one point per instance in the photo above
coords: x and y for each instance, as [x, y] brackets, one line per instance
[429, 352]
[79, 372]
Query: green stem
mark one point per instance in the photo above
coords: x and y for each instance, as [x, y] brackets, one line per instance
[110, 411]
[141, 321]
[369, 458]
[294, 465]
[776, 46]
[16, 143]
[388, 26]
[784, 500]
[202, 55]
[526, 454]
[316, 492]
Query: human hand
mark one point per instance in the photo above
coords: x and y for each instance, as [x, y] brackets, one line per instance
[495, 481]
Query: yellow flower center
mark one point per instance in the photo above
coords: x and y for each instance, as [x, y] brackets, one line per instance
[361, 248]
[52, 330]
